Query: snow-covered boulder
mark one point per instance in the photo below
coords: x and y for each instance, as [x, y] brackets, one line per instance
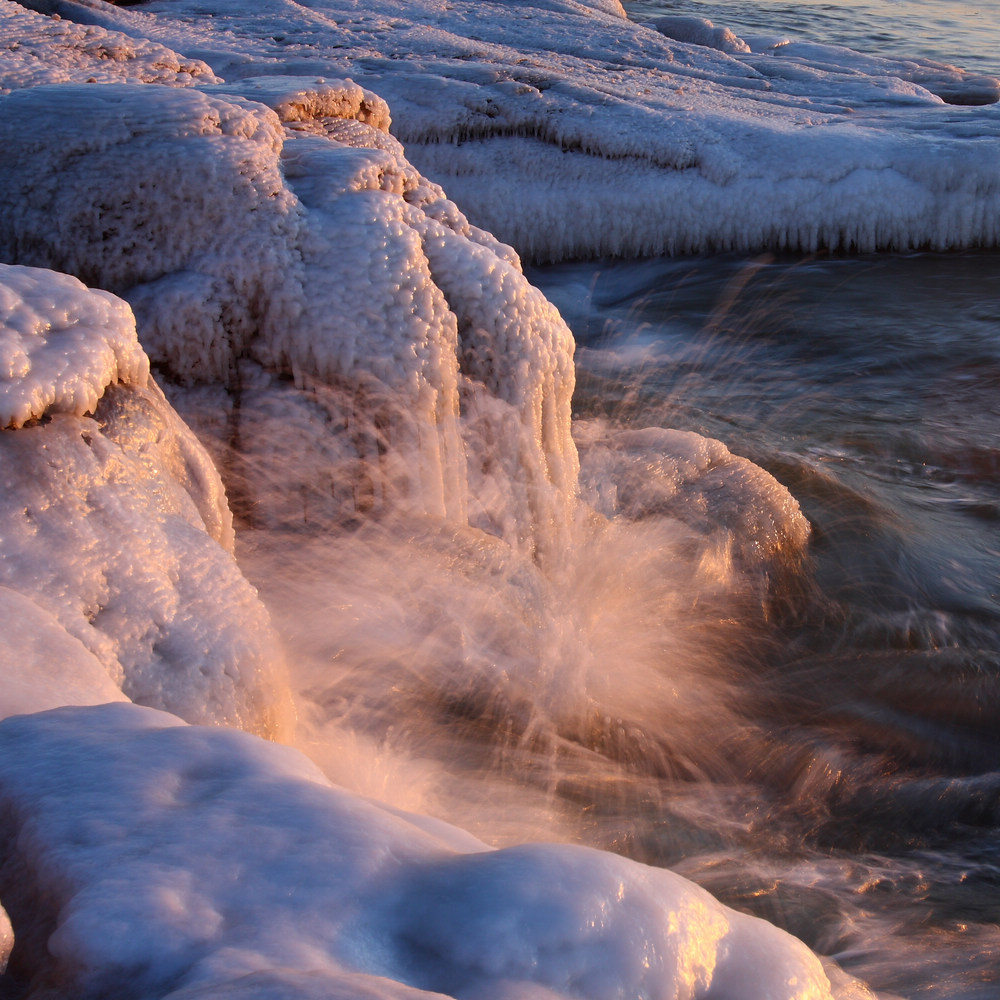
[275, 235]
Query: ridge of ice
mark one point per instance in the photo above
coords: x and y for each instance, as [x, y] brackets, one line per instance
[667, 146]
[44, 50]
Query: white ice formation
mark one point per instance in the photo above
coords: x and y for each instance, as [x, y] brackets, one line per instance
[228, 227]
[117, 539]
[128, 871]
[41, 49]
[61, 346]
[567, 130]
[653, 471]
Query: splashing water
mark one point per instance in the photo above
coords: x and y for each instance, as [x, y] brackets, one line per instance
[805, 731]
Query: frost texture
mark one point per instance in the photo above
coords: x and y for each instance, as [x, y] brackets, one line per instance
[569, 131]
[129, 868]
[61, 346]
[307, 246]
[116, 525]
[668, 473]
[40, 50]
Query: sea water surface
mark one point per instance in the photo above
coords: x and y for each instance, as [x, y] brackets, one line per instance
[960, 34]
[868, 386]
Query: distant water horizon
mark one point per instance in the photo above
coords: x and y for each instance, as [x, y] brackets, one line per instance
[966, 35]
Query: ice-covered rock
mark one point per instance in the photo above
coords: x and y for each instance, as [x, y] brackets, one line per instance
[61, 346]
[146, 858]
[43, 665]
[279, 232]
[653, 471]
[116, 525]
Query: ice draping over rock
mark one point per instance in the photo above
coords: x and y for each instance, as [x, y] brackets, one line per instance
[116, 528]
[129, 868]
[233, 231]
[39, 49]
[569, 131]
[164, 225]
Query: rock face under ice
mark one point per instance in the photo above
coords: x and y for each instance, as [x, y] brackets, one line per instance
[116, 527]
[146, 858]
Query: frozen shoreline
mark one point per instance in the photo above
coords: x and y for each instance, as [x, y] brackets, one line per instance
[230, 215]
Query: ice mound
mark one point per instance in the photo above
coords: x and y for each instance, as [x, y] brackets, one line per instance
[659, 472]
[831, 71]
[700, 31]
[116, 525]
[146, 858]
[46, 50]
[61, 346]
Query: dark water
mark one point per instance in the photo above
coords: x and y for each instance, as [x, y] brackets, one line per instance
[961, 33]
[863, 808]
